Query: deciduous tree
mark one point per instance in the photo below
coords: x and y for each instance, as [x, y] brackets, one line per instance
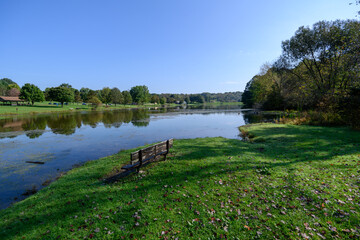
[116, 96]
[77, 97]
[325, 56]
[155, 98]
[127, 97]
[61, 94]
[31, 93]
[104, 95]
[140, 94]
[95, 101]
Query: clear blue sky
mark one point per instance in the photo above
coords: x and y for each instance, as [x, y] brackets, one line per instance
[172, 46]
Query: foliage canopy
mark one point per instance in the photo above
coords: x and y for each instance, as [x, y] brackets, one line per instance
[61, 94]
[31, 93]
[140, 94]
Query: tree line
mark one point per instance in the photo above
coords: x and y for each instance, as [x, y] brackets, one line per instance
[318, 71]
[204, 97]
[66, 93]
[136, 95]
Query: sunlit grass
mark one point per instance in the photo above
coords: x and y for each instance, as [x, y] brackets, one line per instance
[45, 107]
[298, 182]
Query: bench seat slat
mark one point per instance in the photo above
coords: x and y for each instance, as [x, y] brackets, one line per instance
[135, 164]
[130, 166]
[148, 154]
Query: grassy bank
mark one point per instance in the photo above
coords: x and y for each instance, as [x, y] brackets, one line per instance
[44, 107]
[289, 182]
[10, 111]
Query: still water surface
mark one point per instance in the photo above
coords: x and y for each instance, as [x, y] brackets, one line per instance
[63, 140]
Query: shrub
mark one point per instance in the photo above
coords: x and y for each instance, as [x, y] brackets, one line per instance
[95, 102]
[318, 118]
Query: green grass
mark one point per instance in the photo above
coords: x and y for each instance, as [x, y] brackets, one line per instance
[297, 182]
[44, 107]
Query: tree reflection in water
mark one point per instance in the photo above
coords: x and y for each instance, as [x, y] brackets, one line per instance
[66, 123]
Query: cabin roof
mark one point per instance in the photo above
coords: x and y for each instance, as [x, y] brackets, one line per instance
[10, 99]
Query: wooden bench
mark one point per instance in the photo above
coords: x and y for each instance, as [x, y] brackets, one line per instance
[146, 155]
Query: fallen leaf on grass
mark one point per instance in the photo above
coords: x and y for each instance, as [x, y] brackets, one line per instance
[247, 227]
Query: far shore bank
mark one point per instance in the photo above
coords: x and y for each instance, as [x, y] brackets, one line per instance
[14, 111]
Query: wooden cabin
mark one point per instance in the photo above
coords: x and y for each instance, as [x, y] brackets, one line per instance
[10, 100]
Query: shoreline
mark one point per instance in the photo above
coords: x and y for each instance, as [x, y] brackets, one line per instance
[69, 108]
[20, 111]
[207, 186]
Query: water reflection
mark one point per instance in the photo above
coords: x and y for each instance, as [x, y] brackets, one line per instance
[61, 140]
[251, 116]
[67, 123]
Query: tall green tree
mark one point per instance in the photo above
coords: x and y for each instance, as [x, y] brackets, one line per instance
[46, 94]
[104, 95]
[318, 70]
[92, 93]
[31, 93]
[207, 96]
[84, 94]
[140, 94]
[162, 100]
[325, 57]
[155, 98]
[77, 97]
[13, 85]
[61, 94]
[116, 96]
[127, 97]
[247, 96]
[197, 98]
[66, 85]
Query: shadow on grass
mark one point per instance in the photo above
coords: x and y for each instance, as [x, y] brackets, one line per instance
[83, 196]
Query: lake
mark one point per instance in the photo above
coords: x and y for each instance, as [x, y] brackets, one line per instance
[65, 140]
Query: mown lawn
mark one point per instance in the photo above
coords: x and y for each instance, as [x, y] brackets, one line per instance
[295, 182]
[45, 107]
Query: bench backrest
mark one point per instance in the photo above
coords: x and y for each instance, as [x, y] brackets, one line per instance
[152, 151]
